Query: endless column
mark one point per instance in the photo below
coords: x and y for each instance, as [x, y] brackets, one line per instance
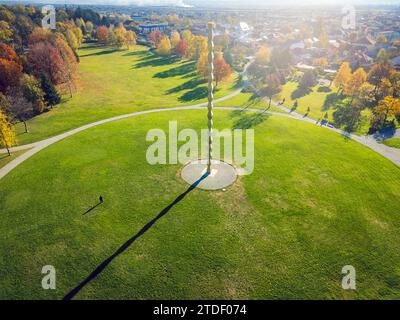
[210, 91]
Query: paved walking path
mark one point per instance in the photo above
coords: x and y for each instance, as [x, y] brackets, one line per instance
[390, 153]
[393, 154]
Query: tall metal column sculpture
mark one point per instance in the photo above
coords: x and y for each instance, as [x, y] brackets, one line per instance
[195, 171]
[211, 27]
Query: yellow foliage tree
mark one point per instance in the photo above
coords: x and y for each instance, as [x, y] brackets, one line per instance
[187, 36]
[130, 39]
[202, 64]
[7, 134]
[196, 46]
[387, 107]
[352, 87]
[343, 76]
[164, 47]
[175, 38]
[78, 34]
[119, 34]
[263, 56]
[71, 39]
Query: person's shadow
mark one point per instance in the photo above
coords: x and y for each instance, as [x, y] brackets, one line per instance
[92, 208]
[129, 242]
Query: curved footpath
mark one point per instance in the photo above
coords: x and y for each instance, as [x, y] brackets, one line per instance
[390, 153]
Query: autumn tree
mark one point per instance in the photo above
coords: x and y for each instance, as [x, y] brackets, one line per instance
[387, 107]
[7, 134]
[4, 104]
[102, 35]
[175, 39]
[365, 97]
[196, 46]
[130, 39]
[10, 68]
[71, 39]
[164, 47]
[202, 64]
[89, 27]
[33, 93]
[222, 70]
[53, 56]
[156, 37]
[263, 56]
[20, 108]
[355, 82]
[78, 34]
[187, 35]
[343, 76]
[377, 73]
[120, 39]
[6, 33]
[181, 48]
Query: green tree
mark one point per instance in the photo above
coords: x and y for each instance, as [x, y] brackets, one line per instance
[51, 95]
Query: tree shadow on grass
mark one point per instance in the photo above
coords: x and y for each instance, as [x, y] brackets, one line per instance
[330, 101]
[195, 94]
[136, 53]
[100, 53]
[4, 156]
[248, 120]
[324, 89]
[130, 241]
[300, 92]
[177, 71]
[193, 83]
[155, 61]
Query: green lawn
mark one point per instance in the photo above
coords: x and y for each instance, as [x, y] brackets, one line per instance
[116, 82]
[315, 202]
[320, 100]
[393, 142]
[316, 100]
[248, 100]
[5, 158]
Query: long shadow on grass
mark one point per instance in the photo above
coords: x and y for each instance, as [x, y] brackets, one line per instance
[128, 243]
[193, 83]
[177, 71]
[100, 53]
[155, 61]
[248, 120]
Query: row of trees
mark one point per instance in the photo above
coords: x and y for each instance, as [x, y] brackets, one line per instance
[116, 37]
[191, 47]
[379, 90]
[35, 64]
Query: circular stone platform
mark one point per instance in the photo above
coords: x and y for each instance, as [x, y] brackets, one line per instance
[222, 174]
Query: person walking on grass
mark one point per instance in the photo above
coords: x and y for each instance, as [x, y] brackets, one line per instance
[101, 199]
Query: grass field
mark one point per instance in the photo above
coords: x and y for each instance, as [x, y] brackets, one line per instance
[248, 100]
[115, 82]
[5, 158]
[393, 142]
[320, 100]
[314, 203]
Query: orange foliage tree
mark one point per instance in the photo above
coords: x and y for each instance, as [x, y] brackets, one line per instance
[102, 35]
[222, 69]
[10, 68]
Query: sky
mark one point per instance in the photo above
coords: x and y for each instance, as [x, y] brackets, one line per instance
[224, 3]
